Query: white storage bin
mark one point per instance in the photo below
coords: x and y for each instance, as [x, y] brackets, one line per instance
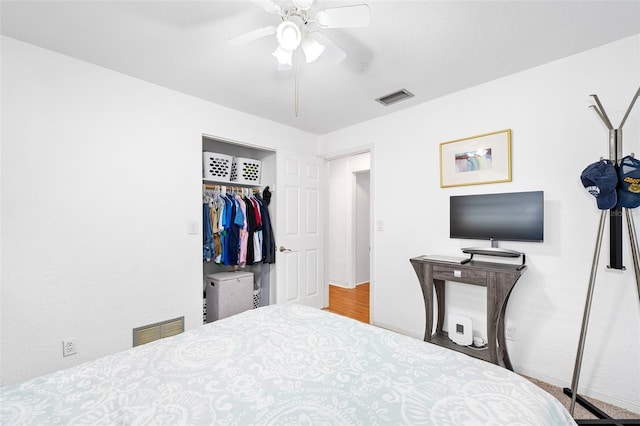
[228, 293]
[216, 166]
[245, 170]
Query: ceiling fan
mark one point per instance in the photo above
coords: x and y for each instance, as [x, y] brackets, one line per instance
[298, 30]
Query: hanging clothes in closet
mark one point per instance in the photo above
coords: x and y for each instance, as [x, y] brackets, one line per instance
[211, 213]
[236, 228]
[268, 239]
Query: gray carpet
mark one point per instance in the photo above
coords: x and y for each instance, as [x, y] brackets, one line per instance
[580, 412]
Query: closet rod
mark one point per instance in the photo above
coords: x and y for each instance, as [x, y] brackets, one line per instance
[228, 187]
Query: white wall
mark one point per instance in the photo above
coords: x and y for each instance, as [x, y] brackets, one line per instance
[340, 217]
[555, 136]
[101, 174]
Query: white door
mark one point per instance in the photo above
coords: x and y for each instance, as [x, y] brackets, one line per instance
[299, 238]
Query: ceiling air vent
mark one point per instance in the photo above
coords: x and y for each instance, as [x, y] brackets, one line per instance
[394, 97]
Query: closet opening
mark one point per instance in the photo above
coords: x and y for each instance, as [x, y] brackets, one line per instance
[238, 174]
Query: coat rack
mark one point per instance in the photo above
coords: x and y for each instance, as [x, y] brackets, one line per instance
[615, 259]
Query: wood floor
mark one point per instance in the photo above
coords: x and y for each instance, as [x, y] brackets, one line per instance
[352, 303]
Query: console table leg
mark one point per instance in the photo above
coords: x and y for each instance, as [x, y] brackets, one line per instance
[498, 292]
[502, 344]
[424, 271]
[440, 296]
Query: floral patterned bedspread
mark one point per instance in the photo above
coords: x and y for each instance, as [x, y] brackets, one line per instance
[278, 365]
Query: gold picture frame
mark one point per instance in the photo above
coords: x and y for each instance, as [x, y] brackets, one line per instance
[476, 160]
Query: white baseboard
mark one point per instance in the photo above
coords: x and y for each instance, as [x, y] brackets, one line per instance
[396, 330]
[342, 285]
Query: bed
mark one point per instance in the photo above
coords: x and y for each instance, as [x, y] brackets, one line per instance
[283, 364]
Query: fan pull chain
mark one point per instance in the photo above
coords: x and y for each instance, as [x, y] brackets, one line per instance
[296, 88]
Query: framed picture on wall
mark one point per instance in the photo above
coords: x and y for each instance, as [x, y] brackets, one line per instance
[476, 160]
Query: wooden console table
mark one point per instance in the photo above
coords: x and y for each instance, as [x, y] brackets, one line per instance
[499, 279]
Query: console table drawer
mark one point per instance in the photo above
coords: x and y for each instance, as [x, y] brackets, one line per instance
[450, 273]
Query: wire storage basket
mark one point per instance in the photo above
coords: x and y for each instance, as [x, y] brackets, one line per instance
[256, 298]
[216, 166]
[245, 170]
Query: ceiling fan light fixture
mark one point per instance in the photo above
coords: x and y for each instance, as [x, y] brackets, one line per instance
[312, 48]
[303, 4]
[288, 35]
[283, 56]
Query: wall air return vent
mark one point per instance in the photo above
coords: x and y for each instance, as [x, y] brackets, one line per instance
[394, 97]
[151, 332]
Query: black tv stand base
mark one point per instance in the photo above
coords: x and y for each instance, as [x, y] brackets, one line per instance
[493, 251]
[603, 418]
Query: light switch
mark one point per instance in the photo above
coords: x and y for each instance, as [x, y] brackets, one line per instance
[380, 225]
[193, 227]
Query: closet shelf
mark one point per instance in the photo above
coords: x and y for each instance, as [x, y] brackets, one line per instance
[237, 184]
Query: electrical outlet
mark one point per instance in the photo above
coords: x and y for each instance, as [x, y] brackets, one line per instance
[69, 347]
[510, 332]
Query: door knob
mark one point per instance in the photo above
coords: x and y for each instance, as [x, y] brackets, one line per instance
[283, 248]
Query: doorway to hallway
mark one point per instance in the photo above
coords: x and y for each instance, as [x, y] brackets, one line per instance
[348, 234]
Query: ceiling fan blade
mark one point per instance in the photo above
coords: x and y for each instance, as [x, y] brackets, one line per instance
[268, 5]
[332, 53]
[303, 4]
[356, 16]
[252, 35]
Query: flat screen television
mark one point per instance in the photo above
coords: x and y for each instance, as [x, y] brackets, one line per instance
[513, 216]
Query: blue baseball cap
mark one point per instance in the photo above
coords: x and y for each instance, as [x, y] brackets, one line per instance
[629, 183]
[601, 180]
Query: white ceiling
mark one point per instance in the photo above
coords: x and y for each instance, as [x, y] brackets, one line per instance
[431, 48]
